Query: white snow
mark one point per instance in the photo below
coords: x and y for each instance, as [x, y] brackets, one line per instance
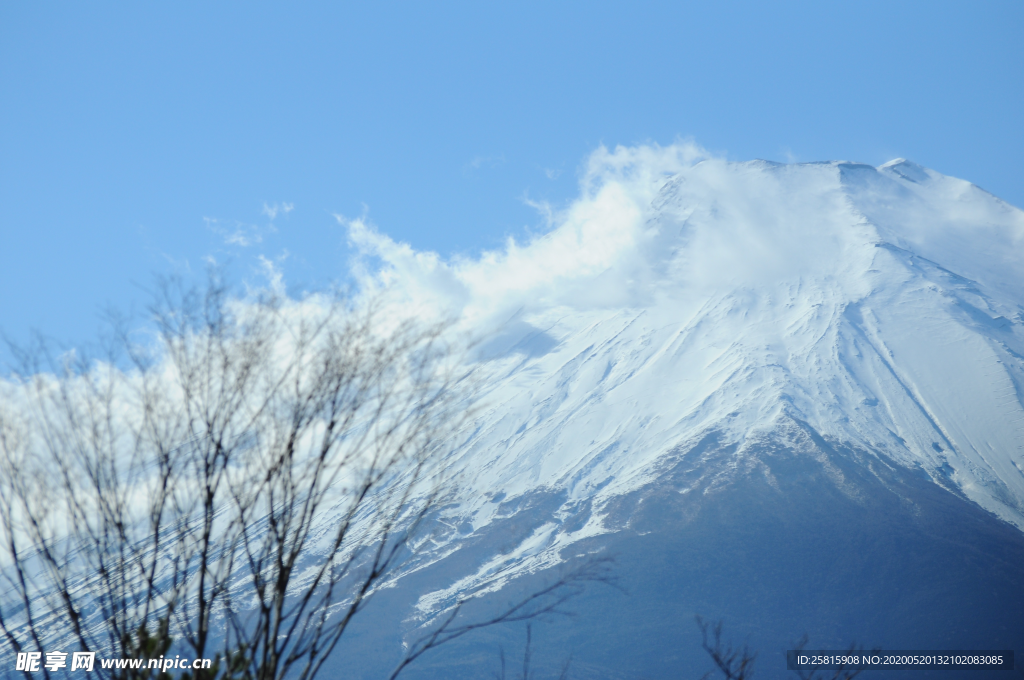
[682, 293]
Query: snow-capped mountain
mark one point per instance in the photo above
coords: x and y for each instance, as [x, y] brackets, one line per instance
[882, 306]
[690, 327]
[786, 396]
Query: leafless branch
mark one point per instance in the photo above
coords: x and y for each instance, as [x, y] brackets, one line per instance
[239, 491]
[734, 664]
[547, 600]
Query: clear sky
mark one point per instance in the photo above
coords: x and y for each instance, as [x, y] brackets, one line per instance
[140, 138]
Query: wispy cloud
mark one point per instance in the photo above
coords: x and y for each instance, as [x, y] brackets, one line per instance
[543, 207]
[271, 270]
[599, 250]
[237, 233]
[272, 211]
[479, 162]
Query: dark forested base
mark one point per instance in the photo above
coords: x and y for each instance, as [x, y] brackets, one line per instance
[785, 540]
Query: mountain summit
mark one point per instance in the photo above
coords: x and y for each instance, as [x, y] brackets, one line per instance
[706, 362]
[883, 307]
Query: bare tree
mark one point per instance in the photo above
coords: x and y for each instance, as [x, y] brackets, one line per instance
[733, 664]
[546, 600]
[527, 655]
[239, 493]
[738, 663]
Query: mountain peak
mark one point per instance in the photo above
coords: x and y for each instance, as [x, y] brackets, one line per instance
[908, 170]
[883, 307]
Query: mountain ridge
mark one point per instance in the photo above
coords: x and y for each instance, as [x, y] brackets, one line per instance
[790, 396]
[914, 284]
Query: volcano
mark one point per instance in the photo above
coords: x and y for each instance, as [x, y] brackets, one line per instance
[785, 396]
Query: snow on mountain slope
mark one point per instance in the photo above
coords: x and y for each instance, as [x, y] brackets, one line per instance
[683, 294]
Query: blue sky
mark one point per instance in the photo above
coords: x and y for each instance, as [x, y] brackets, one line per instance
[140, 138]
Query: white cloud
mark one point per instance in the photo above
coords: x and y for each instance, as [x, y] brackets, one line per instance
[545, 209]
[272, 211]
[271, 269]
[649, 223]
[237, 233]
[485, 162]
[595, 253]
